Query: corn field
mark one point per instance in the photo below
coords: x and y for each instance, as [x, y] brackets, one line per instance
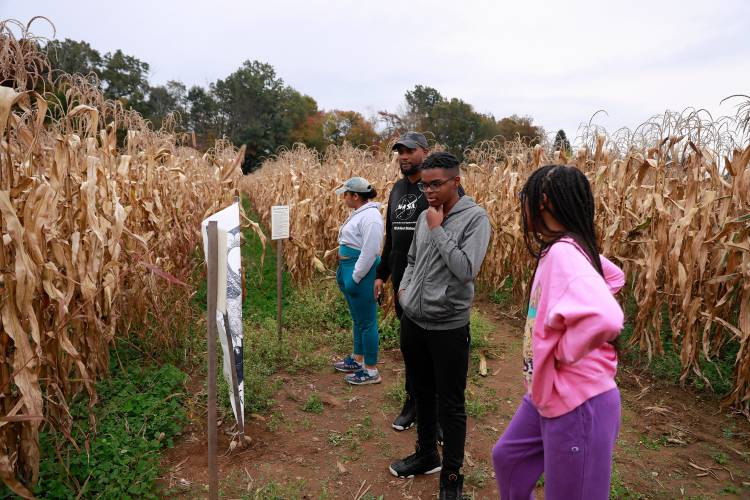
[100, 220]
[671, 210]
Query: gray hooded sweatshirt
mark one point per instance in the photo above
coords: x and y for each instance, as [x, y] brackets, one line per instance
[438, 283]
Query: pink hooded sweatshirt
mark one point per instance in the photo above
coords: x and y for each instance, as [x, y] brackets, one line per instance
[572, 316]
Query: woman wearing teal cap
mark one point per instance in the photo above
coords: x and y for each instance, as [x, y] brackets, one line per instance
[360, 241]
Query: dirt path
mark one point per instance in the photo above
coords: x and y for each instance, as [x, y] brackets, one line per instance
[672, 444]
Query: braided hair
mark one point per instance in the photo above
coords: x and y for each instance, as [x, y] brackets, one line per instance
[570, 201]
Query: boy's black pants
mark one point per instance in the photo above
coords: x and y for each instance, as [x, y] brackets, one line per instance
[437, 362]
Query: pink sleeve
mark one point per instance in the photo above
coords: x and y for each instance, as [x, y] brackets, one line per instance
[588, 315]
[613, 275]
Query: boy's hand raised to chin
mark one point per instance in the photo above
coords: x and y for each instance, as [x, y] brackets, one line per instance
[435, 216]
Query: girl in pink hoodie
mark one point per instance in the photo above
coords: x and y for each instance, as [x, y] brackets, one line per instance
[567, 423]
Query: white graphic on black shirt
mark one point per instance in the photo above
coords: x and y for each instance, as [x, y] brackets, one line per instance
[406, 207]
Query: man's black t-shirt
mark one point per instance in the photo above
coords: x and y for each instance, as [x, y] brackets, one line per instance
[405, 203]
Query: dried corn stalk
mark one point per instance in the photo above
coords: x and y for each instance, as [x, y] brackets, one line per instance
[89, 232]
[673, 213]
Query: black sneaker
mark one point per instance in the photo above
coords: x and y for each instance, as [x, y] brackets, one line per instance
[407, 417]
[417, 463]
[451, 486]
[439, 435]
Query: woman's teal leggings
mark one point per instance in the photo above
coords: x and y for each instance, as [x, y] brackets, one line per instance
[361, 299]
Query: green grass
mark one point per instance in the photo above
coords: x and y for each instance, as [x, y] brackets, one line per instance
[653, 444]
[618, 490]
[717, 372]
[480, 403]
[313, 404]
[274, 490]
[353, 437]
[477, 476]
[260, 301]
[503, 296]
[480, 330]
[720, 458]
[139, 414]
[396, 393]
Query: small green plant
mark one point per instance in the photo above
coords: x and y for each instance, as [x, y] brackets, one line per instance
[479, 405]
[503, 295]
[652, 444]
[335, 438]
[720, 458]
[278, 491]
[371, 496]
[390, 333]
[396, 393]
[353, 437]
[731, 490]
[478, 475]
[618, 490]
[314, 404]
[276, 421]
[480, 330]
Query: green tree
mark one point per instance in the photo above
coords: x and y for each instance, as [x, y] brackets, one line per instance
[73, 57]
[420, 103]
[202, 117]
[169, 98]
[253, 105]
[126, 78]
[455, 124]
[297, 107]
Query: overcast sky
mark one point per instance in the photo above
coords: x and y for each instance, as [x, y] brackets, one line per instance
[557, 61]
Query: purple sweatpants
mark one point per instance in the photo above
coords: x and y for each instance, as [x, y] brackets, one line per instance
[574, 451]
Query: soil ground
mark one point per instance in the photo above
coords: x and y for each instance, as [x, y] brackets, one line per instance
[674, 443]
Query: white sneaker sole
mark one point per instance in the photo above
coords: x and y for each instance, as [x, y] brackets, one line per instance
[373, 381]
[401, 428]
[431, 471]
[345, 370]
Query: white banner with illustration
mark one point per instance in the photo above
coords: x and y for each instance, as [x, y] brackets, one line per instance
[229, 300]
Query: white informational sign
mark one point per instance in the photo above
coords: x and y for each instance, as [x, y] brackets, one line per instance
[229, 299]
[280, 222]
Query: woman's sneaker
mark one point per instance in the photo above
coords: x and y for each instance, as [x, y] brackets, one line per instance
[347, 365]
[363, 377]
[417, 463]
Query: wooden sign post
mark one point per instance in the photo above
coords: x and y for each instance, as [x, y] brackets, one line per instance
[212, 262]
[279, 232]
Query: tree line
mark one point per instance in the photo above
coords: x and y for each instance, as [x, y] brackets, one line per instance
[253, 106]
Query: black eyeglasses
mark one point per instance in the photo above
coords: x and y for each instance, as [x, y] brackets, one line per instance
[431, 186]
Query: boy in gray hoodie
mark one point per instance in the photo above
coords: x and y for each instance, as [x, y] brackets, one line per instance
[436, 293]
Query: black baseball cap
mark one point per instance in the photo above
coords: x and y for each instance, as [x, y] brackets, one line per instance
[412, 140]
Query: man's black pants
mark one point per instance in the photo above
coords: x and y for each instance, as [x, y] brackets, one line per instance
[396, 275]
[437, 362]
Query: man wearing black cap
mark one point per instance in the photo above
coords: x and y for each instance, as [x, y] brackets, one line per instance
[405, 203]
